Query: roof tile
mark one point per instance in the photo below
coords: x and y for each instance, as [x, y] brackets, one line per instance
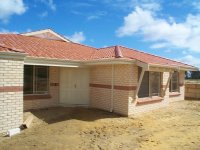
[40, 47]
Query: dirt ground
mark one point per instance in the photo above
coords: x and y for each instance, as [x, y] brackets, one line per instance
[175, 127]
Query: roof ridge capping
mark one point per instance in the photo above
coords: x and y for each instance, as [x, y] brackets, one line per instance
[118, 53]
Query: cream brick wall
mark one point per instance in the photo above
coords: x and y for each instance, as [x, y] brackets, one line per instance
[101, 74]
[124, 75]
[53, 91]
[101, 97]
[124, 100]
[11, 93]
[11, 72]
[120, 101]
[192, 91]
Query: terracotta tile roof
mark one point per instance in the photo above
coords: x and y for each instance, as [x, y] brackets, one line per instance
[114, 51]
[39, 47]
[5, 48]
[149, 58]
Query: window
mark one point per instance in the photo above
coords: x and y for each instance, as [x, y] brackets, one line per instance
[150, 85]
[144, 87]
[174, 82]
[154, 83]
[36, 79]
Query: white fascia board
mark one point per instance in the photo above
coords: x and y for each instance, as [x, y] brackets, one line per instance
[109, 61]
[175, 67]
[189, 69]
[51, 62]
[146, 66]
[70, 63]
[10, 55]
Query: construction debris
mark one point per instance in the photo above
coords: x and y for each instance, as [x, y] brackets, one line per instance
[12, 132]
[28, 122]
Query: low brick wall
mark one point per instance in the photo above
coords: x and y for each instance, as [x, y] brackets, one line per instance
[192, 91]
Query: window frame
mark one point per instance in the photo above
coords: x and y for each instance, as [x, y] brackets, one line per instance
[150, 86]
[34, 78]
[171, 84]
[149, 83]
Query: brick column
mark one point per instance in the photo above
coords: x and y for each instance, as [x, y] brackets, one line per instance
[11, 90]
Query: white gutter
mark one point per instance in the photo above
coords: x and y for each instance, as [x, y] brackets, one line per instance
[112, 89]
[174, 67]
[16, 55]
[109, 61]
[70, 63]
[51, 62]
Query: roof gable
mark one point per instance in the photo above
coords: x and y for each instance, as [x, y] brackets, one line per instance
[46, 34]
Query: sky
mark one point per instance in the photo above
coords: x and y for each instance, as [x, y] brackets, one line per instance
[168, 28]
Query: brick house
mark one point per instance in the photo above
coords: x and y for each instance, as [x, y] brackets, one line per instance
[42, 69]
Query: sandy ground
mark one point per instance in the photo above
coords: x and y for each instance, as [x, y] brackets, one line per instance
[176, 127]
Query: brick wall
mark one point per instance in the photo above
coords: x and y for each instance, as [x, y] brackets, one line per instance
[43, 101]
[11, 93]
[125, 83]
[100, 97]
[101, 84]
[125, 75]
[192, 91]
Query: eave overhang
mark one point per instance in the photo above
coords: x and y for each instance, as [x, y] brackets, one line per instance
[77, 63]
[51, 62]
[10, 55]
